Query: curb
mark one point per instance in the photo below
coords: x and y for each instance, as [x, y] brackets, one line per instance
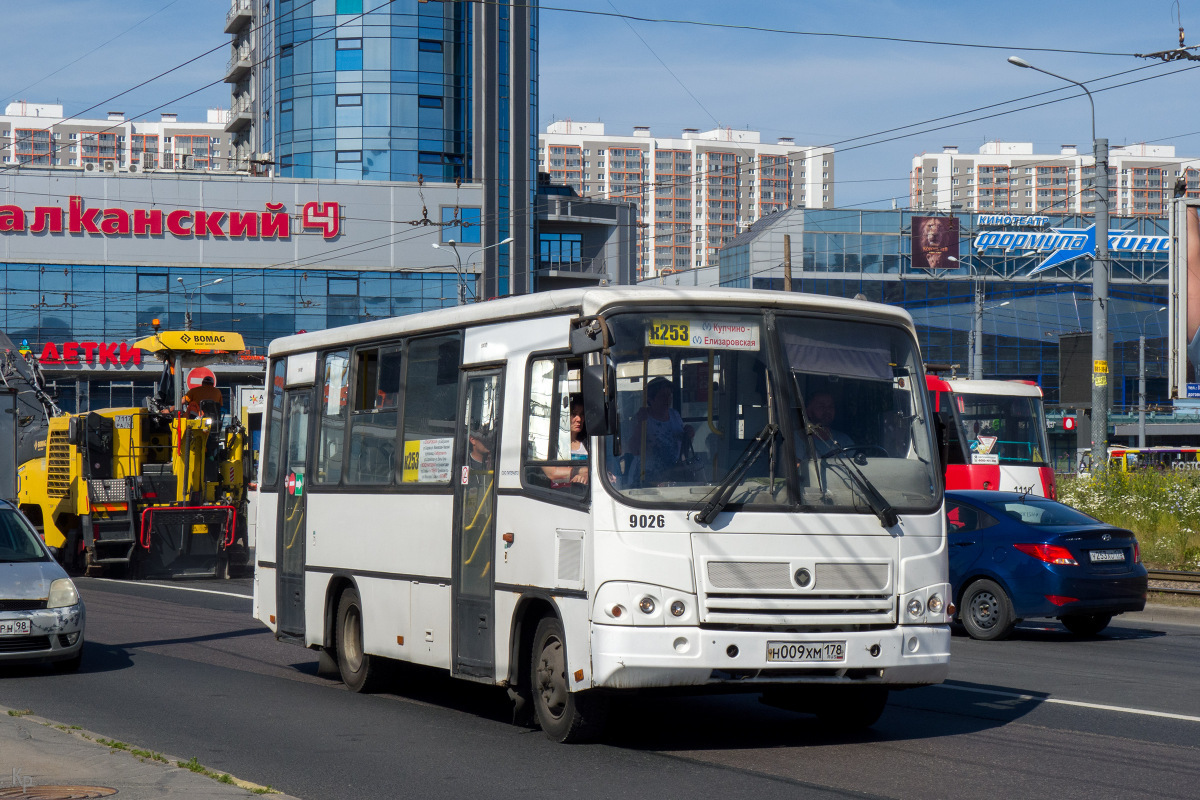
[1157, 613]
[83, 740]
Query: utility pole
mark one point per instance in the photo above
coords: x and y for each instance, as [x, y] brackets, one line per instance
[1100, 272]
[1142, 390]
[787, 262]
[977, 333]
[1100, 308]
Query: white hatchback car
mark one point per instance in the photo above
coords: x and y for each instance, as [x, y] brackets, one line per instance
[41, 613]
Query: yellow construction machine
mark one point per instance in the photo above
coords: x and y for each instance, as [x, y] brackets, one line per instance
[149, 491]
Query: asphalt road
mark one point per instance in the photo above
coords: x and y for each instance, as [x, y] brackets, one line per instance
[1044, 714]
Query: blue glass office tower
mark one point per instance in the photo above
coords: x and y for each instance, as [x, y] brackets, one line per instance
[397, 91]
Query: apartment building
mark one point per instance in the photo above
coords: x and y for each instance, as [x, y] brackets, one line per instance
[39, 135]
[694, 192]
[1008, 177]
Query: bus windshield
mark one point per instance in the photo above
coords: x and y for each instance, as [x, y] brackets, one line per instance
[769, 412]
[1004, 429]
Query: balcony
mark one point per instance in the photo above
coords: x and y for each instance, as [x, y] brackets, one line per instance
[239, 15]
[238, 67]
[241, 114]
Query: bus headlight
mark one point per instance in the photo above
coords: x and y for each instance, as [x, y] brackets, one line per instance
[915, 608]
[650, 602]
[935, 604]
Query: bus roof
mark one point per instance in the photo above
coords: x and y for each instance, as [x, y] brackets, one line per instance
[968, 386]
[586, 302]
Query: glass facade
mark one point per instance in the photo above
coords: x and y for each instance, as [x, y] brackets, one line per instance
[374, 96]
[847, 253]
[46, 302]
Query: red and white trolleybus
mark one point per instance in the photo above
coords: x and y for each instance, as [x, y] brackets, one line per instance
[992, 435]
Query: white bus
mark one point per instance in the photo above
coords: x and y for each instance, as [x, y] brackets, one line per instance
[420, 501]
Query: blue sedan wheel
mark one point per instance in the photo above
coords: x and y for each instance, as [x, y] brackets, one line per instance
[987, 612]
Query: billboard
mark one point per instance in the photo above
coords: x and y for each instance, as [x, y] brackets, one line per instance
[1183, 298]
[934, 241]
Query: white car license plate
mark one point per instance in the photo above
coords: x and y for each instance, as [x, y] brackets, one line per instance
[1100, 556]
[806, 651]
[14, 627]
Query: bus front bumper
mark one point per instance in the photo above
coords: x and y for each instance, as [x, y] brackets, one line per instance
[658, 657]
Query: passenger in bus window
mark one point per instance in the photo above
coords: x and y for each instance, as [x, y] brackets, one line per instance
[659, 435]
[562, 477]
[479, 458]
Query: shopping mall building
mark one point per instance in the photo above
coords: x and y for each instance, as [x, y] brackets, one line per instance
[1034, 273]
[89, 260]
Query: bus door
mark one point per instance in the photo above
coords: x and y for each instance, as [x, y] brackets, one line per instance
[297, 404]
[473, 577]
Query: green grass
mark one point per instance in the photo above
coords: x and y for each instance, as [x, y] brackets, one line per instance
[25, 713]
[220, 777]
[1161, 508]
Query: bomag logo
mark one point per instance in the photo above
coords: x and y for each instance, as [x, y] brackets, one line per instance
[203, 338]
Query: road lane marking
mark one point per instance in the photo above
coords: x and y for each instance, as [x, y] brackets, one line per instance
[176, 588]
[1077, 703]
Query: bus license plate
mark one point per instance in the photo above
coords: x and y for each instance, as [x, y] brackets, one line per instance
[1100, 556]
[15, 627]
[806, 651]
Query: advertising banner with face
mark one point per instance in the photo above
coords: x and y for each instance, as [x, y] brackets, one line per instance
[934, 241]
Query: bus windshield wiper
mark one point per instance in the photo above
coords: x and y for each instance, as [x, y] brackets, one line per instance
[878, 503]
[725, 490]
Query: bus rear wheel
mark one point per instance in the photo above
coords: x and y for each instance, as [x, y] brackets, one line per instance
[563, 715]
[360, 672]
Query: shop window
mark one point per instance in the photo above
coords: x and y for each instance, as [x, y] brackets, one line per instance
[461, 224]
[152, 283]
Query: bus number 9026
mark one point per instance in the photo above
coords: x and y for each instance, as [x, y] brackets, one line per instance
[647, 521]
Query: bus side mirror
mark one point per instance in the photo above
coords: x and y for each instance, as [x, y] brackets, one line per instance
[588, 336]
[598, 384]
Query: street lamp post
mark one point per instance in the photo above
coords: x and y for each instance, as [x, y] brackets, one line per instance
[458, 265]
[187, 296]
[1142, 375]
[1100, 270]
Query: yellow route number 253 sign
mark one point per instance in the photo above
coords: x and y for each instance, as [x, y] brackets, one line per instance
[703, 334]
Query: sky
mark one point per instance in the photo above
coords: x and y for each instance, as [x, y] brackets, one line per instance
[822, 90]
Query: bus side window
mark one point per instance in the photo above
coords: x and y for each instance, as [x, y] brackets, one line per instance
[331, 434]
[552, 461]
[430, 389]
[373, 420]
[274, 425]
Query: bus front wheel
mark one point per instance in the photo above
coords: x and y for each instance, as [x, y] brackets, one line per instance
[360, 672]
[564, 716]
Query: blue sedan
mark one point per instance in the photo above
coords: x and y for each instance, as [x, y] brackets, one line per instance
[1016, 556]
